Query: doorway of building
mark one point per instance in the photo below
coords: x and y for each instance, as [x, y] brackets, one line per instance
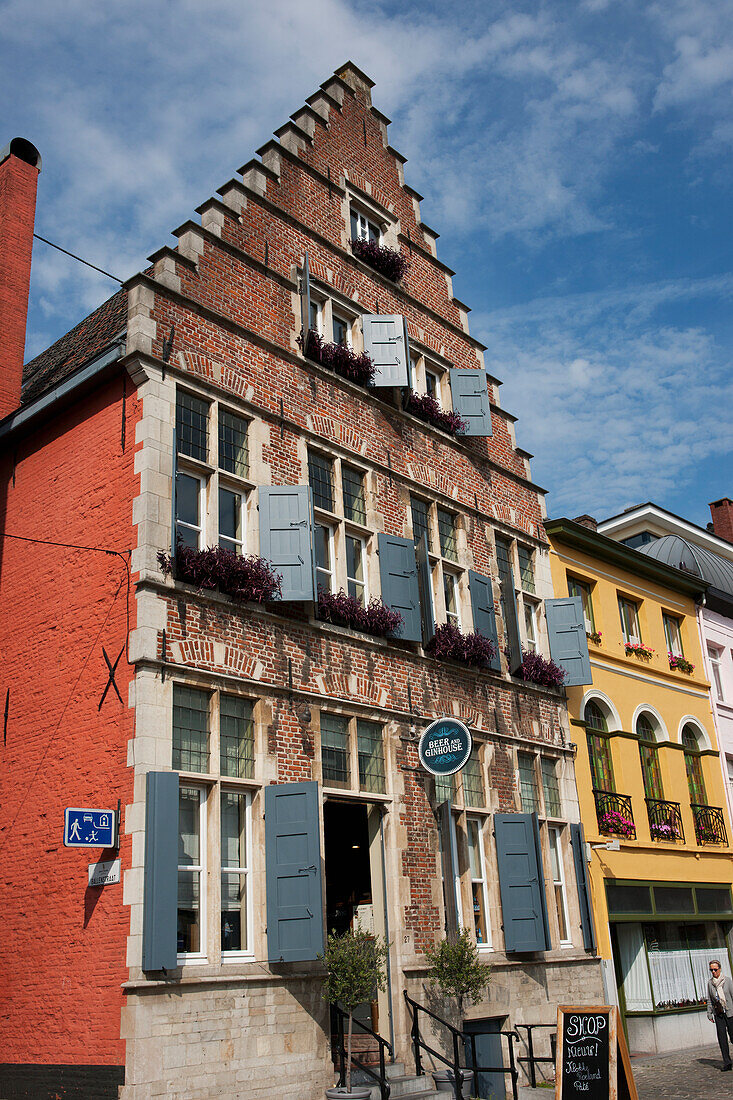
[489, 1085]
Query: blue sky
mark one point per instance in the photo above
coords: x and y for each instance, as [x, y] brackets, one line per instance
[575, 156]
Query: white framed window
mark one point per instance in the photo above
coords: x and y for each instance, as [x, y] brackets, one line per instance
[530, 625]
[233, 444]
[235, 913]
[558, 882]
[356, 568]
[231, 520]
[526, 568]
[341, 329]
[189, 509]
[363, 228]
[672, 634]
[323, 538]
[191, 872]
[583, 589]
[315, 320]
[432, 384]
[629, 613]
[715, 657]
[451, 596]
[479, 895]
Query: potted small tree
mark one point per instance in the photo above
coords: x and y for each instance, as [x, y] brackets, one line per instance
[355, 969]
[458, 972]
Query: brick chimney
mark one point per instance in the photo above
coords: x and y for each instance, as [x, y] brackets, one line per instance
[20, 163]
[722, 513]
[587, 521]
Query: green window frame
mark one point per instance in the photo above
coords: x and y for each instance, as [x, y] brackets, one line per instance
[693, 766]
[599, 749]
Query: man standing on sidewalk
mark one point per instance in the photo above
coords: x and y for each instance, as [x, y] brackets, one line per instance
[720, 1008]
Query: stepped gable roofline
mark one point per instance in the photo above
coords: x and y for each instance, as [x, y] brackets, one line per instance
[349, 67]
[698, 560]
[596, 545]
[103, 327]
[653, 517]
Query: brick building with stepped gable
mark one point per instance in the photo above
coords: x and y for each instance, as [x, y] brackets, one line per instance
[185, 407]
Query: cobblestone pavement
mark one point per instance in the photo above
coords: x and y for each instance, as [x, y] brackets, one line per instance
[693, 1074]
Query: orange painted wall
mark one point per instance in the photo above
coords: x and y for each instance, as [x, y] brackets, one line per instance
[62, 945]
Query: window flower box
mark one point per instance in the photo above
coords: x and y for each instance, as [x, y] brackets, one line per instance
[389, 262]
[638, 649]
[343, 610]
[594, 636]
[449, 643]
[538, 670]
[339, 358]
[245, 578]
[679, 664]
[664, 831]
[425, 407]
[614, 823]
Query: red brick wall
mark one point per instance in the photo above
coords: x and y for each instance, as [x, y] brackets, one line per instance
[62, 948]
[18, 182]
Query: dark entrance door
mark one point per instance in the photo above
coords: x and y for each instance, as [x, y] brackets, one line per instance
[489, 1052]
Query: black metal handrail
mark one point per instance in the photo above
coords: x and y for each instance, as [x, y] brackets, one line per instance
[459, 1072]
[384, 1047]
[614, 813]
[709, 824]
[665, 819]
[533, 1059]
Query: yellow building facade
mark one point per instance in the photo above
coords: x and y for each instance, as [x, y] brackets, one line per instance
[649, 780]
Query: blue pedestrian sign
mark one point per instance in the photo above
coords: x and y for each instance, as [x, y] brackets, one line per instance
[90, 828]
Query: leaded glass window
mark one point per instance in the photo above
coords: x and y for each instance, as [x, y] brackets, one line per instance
[335, 750]
[233, 449]
[236, 737]
[320, 478]
[190, 729]
[353, 487]
[447, 532]
[371, 756]
[192, 415]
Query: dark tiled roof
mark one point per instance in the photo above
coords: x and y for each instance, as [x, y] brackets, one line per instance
[681, 554]
[87, 339]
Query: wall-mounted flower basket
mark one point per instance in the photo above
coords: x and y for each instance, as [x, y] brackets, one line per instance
[679, 664]
[638, 650]
[594, 636]
[616, 824]
[449, 643]
[343, 610]
[245, 578]
[424, 406]
[538, 670]
[387, 261]
[339, 358]
[664, 832]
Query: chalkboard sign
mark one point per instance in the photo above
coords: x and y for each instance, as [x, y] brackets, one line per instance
[592, 1058]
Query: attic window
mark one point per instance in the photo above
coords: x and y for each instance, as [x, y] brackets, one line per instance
[362, 229]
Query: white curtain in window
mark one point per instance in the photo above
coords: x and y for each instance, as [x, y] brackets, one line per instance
[672, 978]
[634, 974]
[700, 958]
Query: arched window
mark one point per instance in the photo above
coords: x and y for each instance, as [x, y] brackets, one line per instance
[649, 757]
[599, 750]
[693, 763]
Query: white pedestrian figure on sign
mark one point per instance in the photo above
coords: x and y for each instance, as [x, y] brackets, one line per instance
[92, 835]
[74, 833]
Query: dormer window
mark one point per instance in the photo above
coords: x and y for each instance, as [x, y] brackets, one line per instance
[362, 229]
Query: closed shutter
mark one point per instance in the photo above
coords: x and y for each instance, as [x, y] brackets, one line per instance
[400, 590]
[511, 624]
[577, 841]
[568, 643]
[160, 889]
[305, 300]
[449, 870]
[384, 343]
[286, 537]
[521, 882]
[471, 399]
[426, 590]
[293, 872]
[484, 615]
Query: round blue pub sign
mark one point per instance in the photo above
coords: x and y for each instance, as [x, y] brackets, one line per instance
[445, 746]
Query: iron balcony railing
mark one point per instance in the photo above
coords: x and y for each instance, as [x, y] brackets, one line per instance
[533, 1060]
[614, 813]
[665, 819]
[709, 824]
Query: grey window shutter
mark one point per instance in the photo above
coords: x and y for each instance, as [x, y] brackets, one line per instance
[426, 590]
[577, 840]
[286, 537]
[521, 882]
[471, 399]
[511, 624]
[484, 615]
[160, 896]
[568, 643]
[400, 590]
[305, 299]
[449, 870]
[174, 504]
[293, 872]
[384, 343]
[408, 360]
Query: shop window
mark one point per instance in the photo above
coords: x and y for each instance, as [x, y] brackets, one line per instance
[678, 956]
[550, 787]
[629, 612]
[693, 764]
[672, 635]
[190, 729]
[632, 898]
[527, 782]
[583, 589]
[558, 882]
[673, 899]
[713, 899]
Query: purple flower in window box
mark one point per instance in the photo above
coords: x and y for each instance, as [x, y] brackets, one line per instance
[664, 831]
[449, 643]
[245, 578]
[424, 406]
[339, 358]
[387, 261]
[538, 670]
[343, 610]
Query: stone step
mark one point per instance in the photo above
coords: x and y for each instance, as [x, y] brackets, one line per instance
[412, 1087]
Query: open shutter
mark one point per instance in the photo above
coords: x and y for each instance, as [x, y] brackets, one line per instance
[408, 360]
[286, 537]
[160, 897]
[568, 643]
[511, 624]
[577, 840]
[449, 870]
[425, 586]
[384, 343]
[293, 872]
[305, 299]
[400, 590]
[471, 399]
[174, 504]
[484, 616]
[521, 882]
